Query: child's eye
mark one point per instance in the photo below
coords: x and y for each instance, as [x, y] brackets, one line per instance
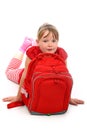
[45, 40]
[54, 40]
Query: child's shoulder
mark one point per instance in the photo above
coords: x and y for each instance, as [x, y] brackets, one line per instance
[61, 51]
[33, 52]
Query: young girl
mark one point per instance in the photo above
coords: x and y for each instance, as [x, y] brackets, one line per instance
[47, 42]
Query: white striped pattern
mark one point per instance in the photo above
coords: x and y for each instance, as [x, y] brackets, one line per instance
[13, 71]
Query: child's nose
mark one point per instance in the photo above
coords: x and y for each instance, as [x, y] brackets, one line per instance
[50, 44]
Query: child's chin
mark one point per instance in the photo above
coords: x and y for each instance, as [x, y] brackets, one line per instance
[49, 51]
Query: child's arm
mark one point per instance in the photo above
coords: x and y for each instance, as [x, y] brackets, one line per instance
[18, 97]
[75, 101]
[27, 62]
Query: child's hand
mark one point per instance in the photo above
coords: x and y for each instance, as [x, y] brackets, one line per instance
[75, 101]
[15, 101]
[12, 99]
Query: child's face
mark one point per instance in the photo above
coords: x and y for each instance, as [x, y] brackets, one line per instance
[48, 44]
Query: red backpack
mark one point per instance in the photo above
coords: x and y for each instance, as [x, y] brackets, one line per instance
[47, 86]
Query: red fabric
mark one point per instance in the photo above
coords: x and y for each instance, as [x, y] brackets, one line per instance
[34, 51]
[15, 104]
[48, 84]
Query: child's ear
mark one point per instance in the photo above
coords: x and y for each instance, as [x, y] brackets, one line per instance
[37, 41]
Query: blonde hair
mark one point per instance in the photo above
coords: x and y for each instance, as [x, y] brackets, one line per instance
[51, 29]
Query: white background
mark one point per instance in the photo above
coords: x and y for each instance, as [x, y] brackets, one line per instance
[22, 18]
